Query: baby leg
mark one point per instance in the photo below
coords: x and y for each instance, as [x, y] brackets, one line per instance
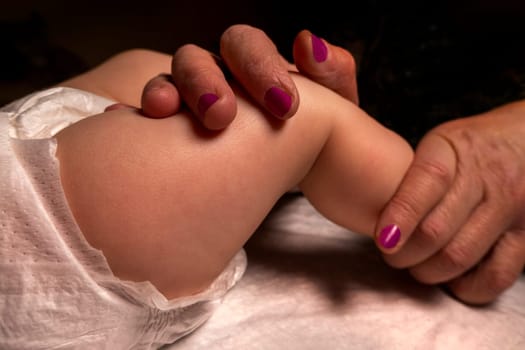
[172, 203]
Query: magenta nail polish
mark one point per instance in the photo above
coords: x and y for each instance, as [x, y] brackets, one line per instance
[278, 101]
[205, 102]
[320, 50]
[389, 236]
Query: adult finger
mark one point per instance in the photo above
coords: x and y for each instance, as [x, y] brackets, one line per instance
[494, 275]
[426, 182]
[160, 98]
[479, 233]
[256, 64]
[203, 86]
[329, 65]
[442, 223]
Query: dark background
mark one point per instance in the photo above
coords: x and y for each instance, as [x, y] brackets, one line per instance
[419, 63]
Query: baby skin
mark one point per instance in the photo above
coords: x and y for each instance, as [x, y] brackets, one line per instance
[171, 202]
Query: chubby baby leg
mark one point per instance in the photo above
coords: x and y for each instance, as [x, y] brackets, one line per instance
[357, 172]
[172, 203]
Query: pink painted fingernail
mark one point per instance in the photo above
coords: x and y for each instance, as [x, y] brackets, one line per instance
[319, 49]
[389, 236]
[205, 102]
[278, 101]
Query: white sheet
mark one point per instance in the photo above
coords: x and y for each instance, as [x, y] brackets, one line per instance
[313, 285]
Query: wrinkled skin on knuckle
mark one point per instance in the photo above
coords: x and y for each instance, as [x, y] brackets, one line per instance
[492, 153]
[455, 259]
[437, 171]
[403, 204]
[257, 61]
[430, 231]
[430, 173]
[262, 68]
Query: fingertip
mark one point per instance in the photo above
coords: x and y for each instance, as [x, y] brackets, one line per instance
[255, 62]
[216, 113]
[319, 49]
[388, 238]
[309, 50]
[279, 102]
[205, 102]
[327, 64]
[160, 98]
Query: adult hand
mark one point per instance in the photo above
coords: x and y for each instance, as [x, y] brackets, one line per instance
[198, 78]
[459, 215]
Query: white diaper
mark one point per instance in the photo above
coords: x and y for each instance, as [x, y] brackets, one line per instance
[56, 291]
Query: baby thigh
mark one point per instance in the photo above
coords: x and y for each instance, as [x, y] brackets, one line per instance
[169, 202]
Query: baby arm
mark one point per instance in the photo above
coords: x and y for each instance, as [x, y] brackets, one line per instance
[172, 203]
